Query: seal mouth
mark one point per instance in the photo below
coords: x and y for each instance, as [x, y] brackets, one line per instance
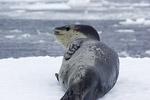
[57, 32]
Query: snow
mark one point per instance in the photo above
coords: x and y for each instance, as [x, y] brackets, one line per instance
[125, 30]
[76, 10]
[41, 41]
[41, 6]
[147, 52]
[33, 78]
[26, 35]
[29, 0]
[30, 79]
[15, 31]
[123, 53]
[134, 80]
[137, 21]
[9, 36]
[141, 4]
[78, 2]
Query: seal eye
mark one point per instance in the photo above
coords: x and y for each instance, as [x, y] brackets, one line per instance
[67, 28]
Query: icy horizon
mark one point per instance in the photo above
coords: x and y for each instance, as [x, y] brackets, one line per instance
[30, 0]
[120, 1]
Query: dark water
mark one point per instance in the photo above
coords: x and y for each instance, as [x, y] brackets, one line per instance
[25, 38]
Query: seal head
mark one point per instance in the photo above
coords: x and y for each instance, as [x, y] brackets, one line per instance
[69, 33]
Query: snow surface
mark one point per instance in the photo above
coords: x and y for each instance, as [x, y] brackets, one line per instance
[76, 10]
[33, 78]
[9, 36]
[125, 30]
[78, 2]
[142, 21]
[29, 0]
[42, 6]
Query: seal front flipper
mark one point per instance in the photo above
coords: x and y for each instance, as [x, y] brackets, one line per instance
[56, 74]
[72, 48]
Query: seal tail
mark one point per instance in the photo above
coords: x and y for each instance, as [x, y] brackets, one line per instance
[82, 85]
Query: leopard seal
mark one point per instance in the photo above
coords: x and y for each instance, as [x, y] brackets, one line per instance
[89, 68]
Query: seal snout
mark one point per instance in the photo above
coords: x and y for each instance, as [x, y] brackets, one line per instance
[61, 30]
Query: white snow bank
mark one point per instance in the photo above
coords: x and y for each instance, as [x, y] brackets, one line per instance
[28, 0]
[9, 36]
[26, 35]
[137, 21]
[147, 52]
[41, 6]
[125, 30]
[15, 31]
[30, 79]
[33, 79]
[19, 0]
[141, 4]
[134, 80]
[80, 2]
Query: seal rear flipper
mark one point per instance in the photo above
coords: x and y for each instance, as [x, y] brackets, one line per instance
[82, 85]
[71, 95]
[56, 74]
